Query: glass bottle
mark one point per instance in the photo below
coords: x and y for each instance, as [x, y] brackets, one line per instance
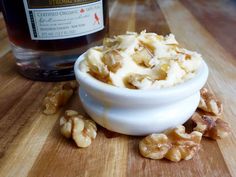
[47, 36]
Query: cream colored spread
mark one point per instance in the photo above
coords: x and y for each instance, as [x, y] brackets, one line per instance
[141, 61]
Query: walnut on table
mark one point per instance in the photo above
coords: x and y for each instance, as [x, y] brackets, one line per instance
[210, 103]
[155, 146]
[207, 118]
[83, 131]
[173, 145]
[58, 96]
[211, 126]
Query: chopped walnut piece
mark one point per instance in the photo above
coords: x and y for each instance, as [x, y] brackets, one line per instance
[99, 71]
[210, 103]
[110, 43]
[173, 145]
[211, 126]
[113, 60]
[95, 66]
[143, 57]
[70, 85]
[82, 130]
[148, 44]
[138, 81]
[58, 96]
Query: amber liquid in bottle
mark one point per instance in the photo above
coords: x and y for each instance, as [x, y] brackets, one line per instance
[48, 51]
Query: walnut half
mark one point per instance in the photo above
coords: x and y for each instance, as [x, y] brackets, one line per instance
[58, 96]
[77, 127]
[210, 103]
[173, 145]
[211, 126]
[155, 146]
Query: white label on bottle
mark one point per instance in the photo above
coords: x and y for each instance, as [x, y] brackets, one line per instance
[64, 22]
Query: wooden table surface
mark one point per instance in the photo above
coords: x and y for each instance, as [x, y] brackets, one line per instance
[30, 142]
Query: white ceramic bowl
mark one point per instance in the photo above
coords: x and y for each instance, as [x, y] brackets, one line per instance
[139, 112]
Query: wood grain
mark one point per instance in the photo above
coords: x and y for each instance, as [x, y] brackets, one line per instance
[105, 157]
[4, 44]
[156, 21]
[30, 142]
[209, 162]
[219, 18]
[122, 9]
[222, 78]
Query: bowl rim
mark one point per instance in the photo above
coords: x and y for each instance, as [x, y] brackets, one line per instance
[197, 81]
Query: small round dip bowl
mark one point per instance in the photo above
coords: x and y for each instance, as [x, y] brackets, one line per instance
[139, 112]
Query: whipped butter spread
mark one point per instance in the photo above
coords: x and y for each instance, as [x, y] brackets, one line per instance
[141, 61]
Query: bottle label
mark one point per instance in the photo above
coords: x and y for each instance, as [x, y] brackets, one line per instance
[61, 19]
